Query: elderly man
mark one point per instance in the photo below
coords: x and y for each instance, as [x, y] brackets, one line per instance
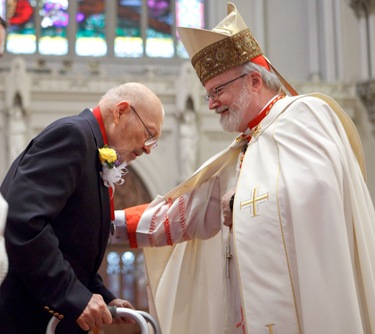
[59, 219]
[285, 214]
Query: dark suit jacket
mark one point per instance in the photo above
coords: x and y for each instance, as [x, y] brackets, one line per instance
[57, 228]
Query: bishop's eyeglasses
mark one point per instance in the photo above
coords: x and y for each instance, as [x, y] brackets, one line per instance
[215, 93]
[151, 140]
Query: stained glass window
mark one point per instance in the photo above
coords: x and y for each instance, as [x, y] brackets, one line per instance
[54, 21]
[128, 40]
[125, 276]
[90, 38]
[188, 14]
[21, 27]
[122, 28]
[159, 39]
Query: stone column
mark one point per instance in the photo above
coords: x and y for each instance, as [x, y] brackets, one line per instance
[17, 102]
[366, 92]
[360, 7]
[365, 10]
[188, 89]
[187, 141]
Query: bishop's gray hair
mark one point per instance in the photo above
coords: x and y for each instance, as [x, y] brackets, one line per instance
[270, 79]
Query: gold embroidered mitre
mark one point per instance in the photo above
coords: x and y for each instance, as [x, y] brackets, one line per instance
[228, 45]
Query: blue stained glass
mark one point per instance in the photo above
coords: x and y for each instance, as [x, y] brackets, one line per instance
[137, 32]
[91, 28]
[159, 41]
[54, 22]
[54, 14]
[128, 262]
[158, 8]
[113, 263]
[188, 14]
[128, 40]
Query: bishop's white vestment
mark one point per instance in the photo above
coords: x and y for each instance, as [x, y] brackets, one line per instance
[300, 256]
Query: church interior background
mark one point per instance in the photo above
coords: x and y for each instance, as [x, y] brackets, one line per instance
[61, 56]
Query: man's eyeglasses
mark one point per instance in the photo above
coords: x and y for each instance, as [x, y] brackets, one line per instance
[215, 93]
[150, 141]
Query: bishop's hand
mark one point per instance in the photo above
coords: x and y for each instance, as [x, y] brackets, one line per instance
[227, 207]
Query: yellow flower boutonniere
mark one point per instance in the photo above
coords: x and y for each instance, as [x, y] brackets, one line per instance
[107, 155]
[112, 169]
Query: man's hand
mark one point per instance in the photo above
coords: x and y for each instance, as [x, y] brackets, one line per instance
[95, 314]
[225, 208]
[122, 303]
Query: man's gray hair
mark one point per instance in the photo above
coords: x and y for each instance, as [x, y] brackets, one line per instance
[270, 79]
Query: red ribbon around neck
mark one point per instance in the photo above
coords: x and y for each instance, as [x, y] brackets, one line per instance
[99, 118]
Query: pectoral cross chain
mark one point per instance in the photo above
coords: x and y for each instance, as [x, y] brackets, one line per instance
[228, 257]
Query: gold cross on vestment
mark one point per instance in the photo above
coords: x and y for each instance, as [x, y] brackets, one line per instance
[254, 201]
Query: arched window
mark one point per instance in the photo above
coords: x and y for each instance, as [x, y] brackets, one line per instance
[116, 28]
[125, 275]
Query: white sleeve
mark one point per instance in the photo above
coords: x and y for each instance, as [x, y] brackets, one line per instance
[120, 234]
[194, 215]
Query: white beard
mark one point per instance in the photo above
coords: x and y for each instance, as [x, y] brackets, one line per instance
[231, 120]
